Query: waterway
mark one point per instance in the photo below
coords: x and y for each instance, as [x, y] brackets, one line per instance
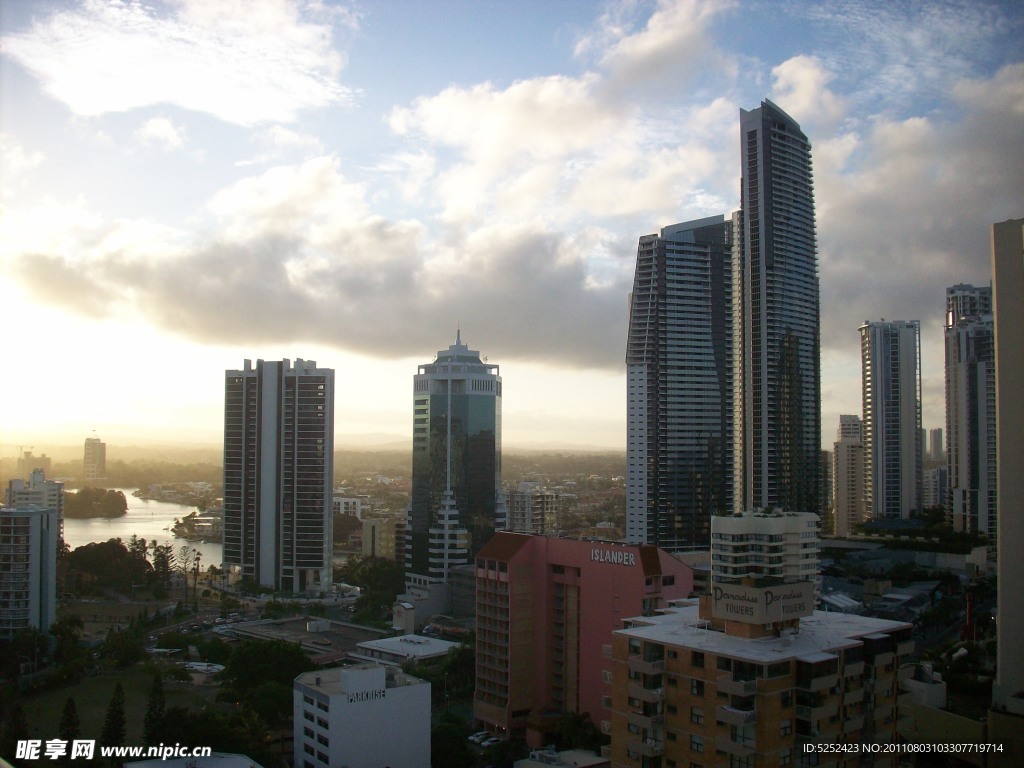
[147, 519]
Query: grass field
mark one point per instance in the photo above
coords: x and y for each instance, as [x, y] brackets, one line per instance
[92, 695]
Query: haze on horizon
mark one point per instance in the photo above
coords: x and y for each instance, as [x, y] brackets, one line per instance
[183, 187]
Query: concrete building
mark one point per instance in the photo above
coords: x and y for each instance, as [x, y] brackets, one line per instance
[364, 716]
[971, 409]
[546, 610]
[43, 493]
[278, 474]
[533, 510]
[679, 369]
[891, 391]
[749, 673]
[28, 461]
[848, 476]
[776, 318]
[94, 460]
[456, 503]
[384, 537]
[28, 568]
[936, 447]
[1006, 719]
[396, 651]
[935, 487]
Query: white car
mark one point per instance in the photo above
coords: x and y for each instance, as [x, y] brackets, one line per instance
[480, 736]
[491, 742]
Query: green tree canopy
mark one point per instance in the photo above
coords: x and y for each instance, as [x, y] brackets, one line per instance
[258, 661]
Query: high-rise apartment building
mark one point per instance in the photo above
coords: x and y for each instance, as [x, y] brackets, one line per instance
[533, 510]
[28, 568]
[456, 503]
[37, 490]
[776, 318]
[545, 612]
[936, 447]
[891, 392]
[1008, 310]
[679, 367]
[278, 474]
[749, 673]
[848, 476]
[971, 409]
[27, 462]
[94, 460]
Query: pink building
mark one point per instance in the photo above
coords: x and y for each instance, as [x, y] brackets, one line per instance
[545, 612]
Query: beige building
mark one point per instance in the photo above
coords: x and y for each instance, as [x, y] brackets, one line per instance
[848, 476]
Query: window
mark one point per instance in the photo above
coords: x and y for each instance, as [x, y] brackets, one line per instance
[672, 682]
[786, 728]
[697, 687]
[786, 757]
[697, 715]
[787, 699]
[322, 723]
[322, 706]
[672, 709]
[308, 732]
[724, 664]
[308, 716]
[697, 659]
[696, 743]
[323, 740]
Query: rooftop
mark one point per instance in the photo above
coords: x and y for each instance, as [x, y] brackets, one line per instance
[335, 681]
[820, 633]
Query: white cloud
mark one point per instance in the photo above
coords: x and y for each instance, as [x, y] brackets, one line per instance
[16, 162]
[800, 86]
[245, 63]
[161, 130]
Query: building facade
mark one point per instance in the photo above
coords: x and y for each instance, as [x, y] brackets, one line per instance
[533, 510]
[545, 612]
[1008, 309]
[94, 459]
[278, 474]
[891, 392]
[363, 716]
[781, 546]
[776, 318]
[848, 476]
[936, 446]
[679, 368]
[28, 568]
[456, 503]
[971, 409]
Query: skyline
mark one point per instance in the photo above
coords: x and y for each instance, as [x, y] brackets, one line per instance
[339, 182]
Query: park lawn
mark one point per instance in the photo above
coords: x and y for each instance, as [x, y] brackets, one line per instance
[92, 695]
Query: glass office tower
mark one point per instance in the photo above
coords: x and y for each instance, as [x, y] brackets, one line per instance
[777, 326]
[679, 368]
[456, 463]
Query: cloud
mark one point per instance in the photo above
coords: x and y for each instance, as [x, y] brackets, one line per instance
[160, 130]
[245, 63]
[801, 83]
[16, 162]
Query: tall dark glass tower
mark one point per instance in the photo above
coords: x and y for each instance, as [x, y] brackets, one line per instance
[278, 474]
[456, 464]
[777, 326]
[679, 368]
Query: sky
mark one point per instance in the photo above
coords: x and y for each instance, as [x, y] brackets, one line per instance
[186, 184]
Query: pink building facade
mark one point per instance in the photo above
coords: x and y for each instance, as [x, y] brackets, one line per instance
[545, 612]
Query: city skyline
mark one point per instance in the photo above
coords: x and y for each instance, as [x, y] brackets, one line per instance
[336, 205]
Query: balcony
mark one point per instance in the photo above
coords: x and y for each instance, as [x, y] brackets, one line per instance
[745, 747]
[906, 672]
[726, 684]
[638, 664]
[818, 683]
[855, 723]
[648, 722]
[814, 714]
[647, 747]
[734, 716]
[650, 695]
[856, 669]
[853, 697]
[903, 647]
[884, 658]
[904, 699]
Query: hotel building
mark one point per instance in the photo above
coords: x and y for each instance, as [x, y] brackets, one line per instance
[363, 716]
[545, 612]
[278, 473]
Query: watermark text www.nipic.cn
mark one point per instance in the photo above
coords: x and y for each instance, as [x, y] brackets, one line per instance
[85, 749]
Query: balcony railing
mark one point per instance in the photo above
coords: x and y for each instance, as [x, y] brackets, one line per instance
[638, 664]
[742, 748]
[649, 722]
[650, 695]
[727, 684]
[813, 714]
[734, 716]
[647, 747]
[903, 647]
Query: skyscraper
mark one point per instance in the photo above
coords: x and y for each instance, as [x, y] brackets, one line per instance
[679, 369]
[848, 476]
[455, 506]
[936, 448]
[28, 568]
[278, 474]
[891, 392]
[94, 459]
[776, 318]
[46, 494]
[971, 409]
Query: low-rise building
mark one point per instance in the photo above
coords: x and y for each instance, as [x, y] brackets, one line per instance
[396, 651]
[363, 716]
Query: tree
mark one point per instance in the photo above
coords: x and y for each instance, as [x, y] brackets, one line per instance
[67, 629]
[187, 559]
[259, 661]
[163, 566]
[448, 746]
[15, 730]
[70, 726]
[154, 712]
[114, 727]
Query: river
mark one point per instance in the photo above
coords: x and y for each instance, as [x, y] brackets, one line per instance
[149, 520]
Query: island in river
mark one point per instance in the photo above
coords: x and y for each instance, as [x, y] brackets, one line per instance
[95, 502]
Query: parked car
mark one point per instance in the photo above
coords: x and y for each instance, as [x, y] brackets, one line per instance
[479, 736]
[491, 742]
